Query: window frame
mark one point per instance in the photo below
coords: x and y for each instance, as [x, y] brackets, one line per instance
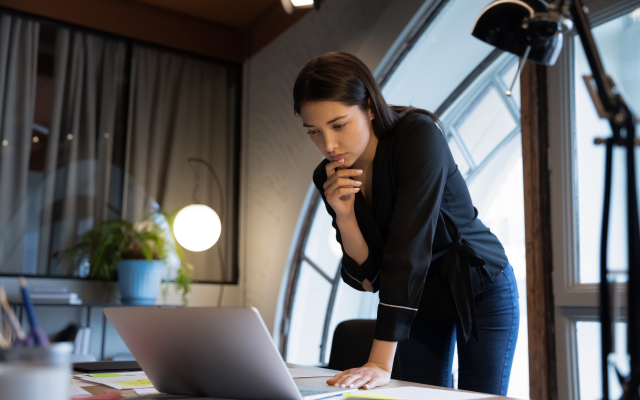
[574, 301]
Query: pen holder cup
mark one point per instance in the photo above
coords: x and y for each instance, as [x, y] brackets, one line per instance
[35, 373]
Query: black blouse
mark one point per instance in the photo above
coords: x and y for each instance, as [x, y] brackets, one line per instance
[421, 212]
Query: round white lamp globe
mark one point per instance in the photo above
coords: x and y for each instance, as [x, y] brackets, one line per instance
[197, 227]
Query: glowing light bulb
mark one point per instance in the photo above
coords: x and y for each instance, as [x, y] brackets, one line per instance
[197, 227]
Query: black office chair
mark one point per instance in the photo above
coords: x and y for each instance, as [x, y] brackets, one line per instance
[352, 341]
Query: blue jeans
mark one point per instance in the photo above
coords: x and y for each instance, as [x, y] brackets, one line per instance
[427, 356]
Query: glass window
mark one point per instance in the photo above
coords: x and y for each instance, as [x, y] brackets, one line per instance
[322, 247]
[485, 124]
[308, 316]
[589, 360]
[441, 59]
[459, 158]
[613, 40]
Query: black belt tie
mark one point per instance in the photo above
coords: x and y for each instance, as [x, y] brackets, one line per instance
[455, 264]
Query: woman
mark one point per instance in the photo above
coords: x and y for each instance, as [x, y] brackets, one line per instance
[408, 229]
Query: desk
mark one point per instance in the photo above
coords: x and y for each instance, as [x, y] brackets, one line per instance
[130, 394]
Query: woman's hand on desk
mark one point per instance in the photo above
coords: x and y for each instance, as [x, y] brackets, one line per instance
[368, 376]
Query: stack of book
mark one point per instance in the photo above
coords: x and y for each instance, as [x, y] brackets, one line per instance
[55, 295]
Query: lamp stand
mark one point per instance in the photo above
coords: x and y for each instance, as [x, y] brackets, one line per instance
[613, 107]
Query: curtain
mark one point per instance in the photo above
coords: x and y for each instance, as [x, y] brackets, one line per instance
[181, 107]
[88, 86]
[18, 72]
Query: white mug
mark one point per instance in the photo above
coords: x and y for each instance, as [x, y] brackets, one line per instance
[35, 373]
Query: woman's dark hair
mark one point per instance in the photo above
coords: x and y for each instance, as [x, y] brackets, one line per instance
[342, 77]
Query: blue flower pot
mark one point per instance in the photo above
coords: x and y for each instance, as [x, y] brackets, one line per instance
[139, 281]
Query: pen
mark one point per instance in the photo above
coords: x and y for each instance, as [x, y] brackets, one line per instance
[39, 338]
[10, 317]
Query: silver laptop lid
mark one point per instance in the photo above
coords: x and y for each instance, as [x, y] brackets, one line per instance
[203, 351]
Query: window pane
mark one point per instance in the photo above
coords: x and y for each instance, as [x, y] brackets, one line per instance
[73, 152]
[322, 247]
[432, 70]
[307, 318]
[589, 363]
[498, 194]
[485, 124]
[613, 39]
[350, 304]
[459, 158]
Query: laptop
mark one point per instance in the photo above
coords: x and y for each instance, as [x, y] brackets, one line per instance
[216, 352]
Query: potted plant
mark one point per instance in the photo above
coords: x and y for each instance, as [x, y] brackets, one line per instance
[135, 255]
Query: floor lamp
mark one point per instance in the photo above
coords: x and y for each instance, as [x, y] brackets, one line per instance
[197, 227]
[532, 29]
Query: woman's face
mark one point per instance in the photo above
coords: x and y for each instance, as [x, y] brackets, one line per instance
[338, 131]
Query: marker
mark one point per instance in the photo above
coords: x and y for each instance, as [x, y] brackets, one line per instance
[39, 337]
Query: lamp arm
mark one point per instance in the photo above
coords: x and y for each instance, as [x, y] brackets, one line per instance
[610, 100]
[191, 160]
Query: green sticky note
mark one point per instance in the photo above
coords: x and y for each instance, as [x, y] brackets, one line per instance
[368, 395]
[109, 375]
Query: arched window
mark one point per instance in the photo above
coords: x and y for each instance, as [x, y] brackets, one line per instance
[464, 81]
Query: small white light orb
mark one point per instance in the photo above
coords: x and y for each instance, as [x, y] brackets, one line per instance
[333, 243]
[197, 227]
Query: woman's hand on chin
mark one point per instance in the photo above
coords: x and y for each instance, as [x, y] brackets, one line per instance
[339, 189]
[368, 376]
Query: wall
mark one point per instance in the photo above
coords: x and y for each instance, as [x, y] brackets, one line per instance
[278, 158]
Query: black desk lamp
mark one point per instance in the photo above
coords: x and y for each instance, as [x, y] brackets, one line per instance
[533, 29]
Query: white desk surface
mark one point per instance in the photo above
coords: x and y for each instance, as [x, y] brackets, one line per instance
[130, 394]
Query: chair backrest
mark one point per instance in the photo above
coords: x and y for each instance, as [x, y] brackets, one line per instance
[352, 341]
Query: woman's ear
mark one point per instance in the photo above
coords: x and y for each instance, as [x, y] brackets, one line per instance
[371, 116]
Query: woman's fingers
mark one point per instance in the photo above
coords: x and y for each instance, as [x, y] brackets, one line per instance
[337, 376]
[360, 382]
[371, 384]
[343, 194]
[341, 183]
[331, 167]
[346, 380]
[342, 174]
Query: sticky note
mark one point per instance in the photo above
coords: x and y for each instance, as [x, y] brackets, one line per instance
[368, 395]
[109, 375]
[139, 382]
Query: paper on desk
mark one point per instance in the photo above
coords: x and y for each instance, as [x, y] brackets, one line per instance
[366, 394]
[142, 392]
[77, 391]
[311, 372]
[80, 382]
[418, 393]
[124, 380]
